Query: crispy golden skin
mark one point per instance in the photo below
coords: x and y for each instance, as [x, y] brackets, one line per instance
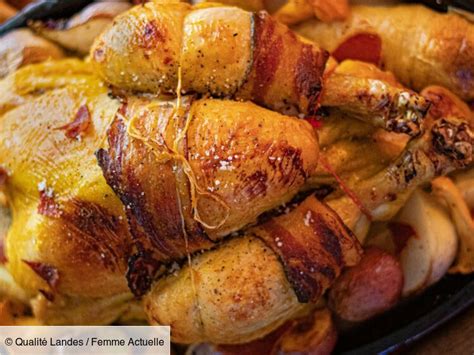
[214, 165]
[241, 292]
[437, 50]
[223, 51]
[69, 237]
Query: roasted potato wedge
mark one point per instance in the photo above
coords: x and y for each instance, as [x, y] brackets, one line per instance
[424, 239]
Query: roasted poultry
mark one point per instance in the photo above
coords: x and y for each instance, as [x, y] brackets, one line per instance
[438, 50]
[223, 51]
[54, 205]
[228, 52]
[166, 184]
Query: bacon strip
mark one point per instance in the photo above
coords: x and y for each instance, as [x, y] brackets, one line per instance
[286, 74]
[313, 245]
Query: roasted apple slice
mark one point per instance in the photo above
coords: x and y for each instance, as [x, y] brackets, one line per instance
[445, 189]
[424, 239]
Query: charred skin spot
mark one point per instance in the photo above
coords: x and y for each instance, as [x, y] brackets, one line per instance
[454, 141]
[442, 105]
[256, 184]
[291, 164]
[408, 166]
[406, 113]
[142, 271]
[286, 162]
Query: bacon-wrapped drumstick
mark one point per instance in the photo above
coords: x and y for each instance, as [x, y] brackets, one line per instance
[217, 50]
[258, 281]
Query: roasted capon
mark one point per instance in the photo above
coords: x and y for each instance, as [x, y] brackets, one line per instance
[175, 167]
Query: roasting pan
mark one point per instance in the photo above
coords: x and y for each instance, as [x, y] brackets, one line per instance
[394, 330]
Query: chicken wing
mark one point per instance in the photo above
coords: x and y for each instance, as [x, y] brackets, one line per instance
[446, 145]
